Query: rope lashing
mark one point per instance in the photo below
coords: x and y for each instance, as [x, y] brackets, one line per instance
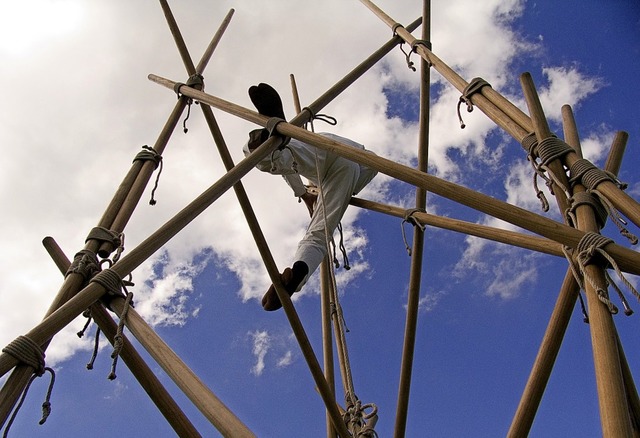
[584, 172]
[409, 217]
[361, 421]
[28, 352]
[475, 86]
[105, 235]
[84, 263]
[272, 124]
[585, 198]
[96, 346]
[343, 250]
[529, 144]
[150, 154]
[590, 249]
[549, 149]
[414, 45]
[195, 81]
[115, 286]
[86, 314]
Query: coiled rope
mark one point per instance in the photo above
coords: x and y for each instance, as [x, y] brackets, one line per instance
[591, 250]
[29, 353]
[149, 154]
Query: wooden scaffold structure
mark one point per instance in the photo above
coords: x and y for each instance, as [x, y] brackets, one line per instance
[580, 188]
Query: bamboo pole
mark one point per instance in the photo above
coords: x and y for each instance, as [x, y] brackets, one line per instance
[627, 259]
[140, 370]
[415, 275]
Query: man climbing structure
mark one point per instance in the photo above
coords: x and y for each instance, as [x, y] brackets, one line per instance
[337, 178]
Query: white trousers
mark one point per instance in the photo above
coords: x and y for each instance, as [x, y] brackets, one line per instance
[341, 179]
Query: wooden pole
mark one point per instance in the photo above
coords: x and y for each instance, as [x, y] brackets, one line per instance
[614, 159]
[541, 128]
[76, 305]
[507, 237]
[505, 115]
[327, 343]
[140, 370]
[114, 218]
[211, 407]
[325, 302]
[558, 323]
[417, 249]
[545, 359]
[614, 412]
[134, 195]
[627, 259]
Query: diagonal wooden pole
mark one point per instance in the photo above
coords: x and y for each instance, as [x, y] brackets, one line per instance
[114, 218]
[140, 370]
[505, 114]
[526, 241]
[614, 413]
[200, 395]
[627, 259]
[554, 334]
[417, 249]
[323, 386]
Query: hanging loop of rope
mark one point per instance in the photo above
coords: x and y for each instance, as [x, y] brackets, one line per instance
[475, 86]
[114, 286]
[409, 218]
[150, 154]
[118, 339]
[29, 353]
[322, 117]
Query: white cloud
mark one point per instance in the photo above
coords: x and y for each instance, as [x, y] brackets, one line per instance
[82, 107]
[261, 344]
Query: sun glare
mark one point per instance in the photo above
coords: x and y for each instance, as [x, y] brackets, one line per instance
[24, 25]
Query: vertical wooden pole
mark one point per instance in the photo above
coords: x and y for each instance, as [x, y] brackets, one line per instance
[327, 342]
[417, 250]
[614, 413]
[325, 301]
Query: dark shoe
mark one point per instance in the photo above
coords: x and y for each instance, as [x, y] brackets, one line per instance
[291, 279]
[266, 100]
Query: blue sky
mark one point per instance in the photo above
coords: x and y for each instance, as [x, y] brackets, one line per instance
[79, 106]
